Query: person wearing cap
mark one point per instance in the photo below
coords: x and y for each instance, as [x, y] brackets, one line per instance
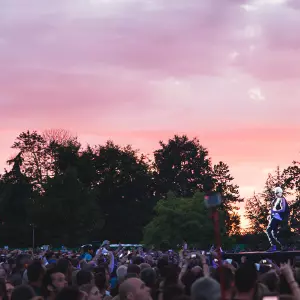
[105, 250]
[87, 253]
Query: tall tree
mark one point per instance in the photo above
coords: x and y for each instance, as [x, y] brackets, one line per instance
[292, 181]
[33, 151]
[123, 184]
[16, 196]
[65, 156]
[182, 166]
[39, 153]
[223, 182]
[256, 211]
[67, 213]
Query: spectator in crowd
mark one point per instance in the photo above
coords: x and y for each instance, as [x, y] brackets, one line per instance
[84, 277]
[91, 292]
[134, 289]
[170, 276]
[23, 292]
[102, 284]
[206, 288]
[3, 290]
[35, 274]
[9, 289]
[64, 266]
[54, 281]
[71, 293]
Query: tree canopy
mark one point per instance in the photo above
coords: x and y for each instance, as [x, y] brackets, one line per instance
[76, 194]
[183, 167]
[182, 219]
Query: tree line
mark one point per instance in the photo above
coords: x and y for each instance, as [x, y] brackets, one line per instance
[74, 194]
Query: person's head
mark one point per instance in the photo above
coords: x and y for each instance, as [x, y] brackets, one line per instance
[64, 266]
[171, 291]
[171, 274]
[70, 293]
[22, 292]
[88, 249]
[121, 273]
[197, 270]
[149, 260]
[100, 281]
[188, 279]
[22, 261]
[206, 288]
[92, 292]
[278, 192]
[35, 273]
[144, 266]
[138, 260]
[246, 279]
[227, 275]
[149, 277]
[161, 264]
[134, 289]
[9, 289]
[74, 262]
[106, 245]
[84, 277]
[103, 269]
[54, 281]
[134, 269]
[89, 267]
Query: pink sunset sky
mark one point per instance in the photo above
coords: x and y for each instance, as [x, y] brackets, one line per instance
[137, 71]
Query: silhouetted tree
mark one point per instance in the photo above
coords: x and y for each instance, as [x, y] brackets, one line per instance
[183, 167]
[35, 155]
[58, 136]
[223, 182]
[123, 184]
[292, 181]
[67, 213]
[16, 196]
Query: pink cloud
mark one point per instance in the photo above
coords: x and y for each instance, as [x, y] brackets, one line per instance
[272, 64]
[271, 52]
[171, 39]
[158, 37]
[294, 4]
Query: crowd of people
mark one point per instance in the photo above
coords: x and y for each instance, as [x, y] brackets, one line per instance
[137, 274]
